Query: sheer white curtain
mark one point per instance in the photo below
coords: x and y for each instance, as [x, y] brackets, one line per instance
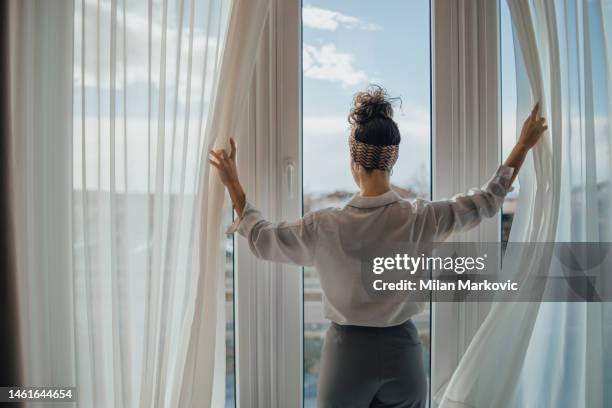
[199, 385]
[552, 354]
[145, 81]
[121, 252]
[572, 339]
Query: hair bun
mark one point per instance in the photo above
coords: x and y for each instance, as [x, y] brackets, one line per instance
[371, 103]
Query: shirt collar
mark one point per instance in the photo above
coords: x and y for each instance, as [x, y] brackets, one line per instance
[387, 198]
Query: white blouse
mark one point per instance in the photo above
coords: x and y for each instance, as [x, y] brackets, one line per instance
[319, 239]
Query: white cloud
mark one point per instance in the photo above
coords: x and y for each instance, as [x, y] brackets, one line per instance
[328, 20]
[328, 64]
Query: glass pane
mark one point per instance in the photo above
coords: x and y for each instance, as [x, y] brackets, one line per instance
[348, 45]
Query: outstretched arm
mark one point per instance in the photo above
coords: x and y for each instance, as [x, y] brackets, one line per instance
[465, 211]
[286, 242]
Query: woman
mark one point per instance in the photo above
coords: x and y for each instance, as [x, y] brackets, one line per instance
[372, 354]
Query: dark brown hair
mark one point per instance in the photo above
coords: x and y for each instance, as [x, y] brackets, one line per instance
[371, 117]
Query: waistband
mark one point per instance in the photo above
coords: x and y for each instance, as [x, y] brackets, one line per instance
[408, 325]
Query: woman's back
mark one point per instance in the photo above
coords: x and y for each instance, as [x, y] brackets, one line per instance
[334, 241]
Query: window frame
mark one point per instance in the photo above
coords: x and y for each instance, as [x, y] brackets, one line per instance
[466, 146]
[466, 140]
[269, 296]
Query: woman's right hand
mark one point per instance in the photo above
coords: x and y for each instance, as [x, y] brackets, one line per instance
[533, 129]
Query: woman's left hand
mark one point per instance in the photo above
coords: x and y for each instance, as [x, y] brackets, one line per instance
[228, 173]
[226, 164]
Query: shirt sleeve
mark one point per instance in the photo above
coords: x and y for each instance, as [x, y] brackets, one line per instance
[465, 211]
[286, 242]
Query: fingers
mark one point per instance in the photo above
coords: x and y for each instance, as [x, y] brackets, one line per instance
[222, 154]
[232, 148]
[540, 126]
[222, 160]
[535, 111]
[535, 121]
[217, 155]
[216, 163]
[539, 122]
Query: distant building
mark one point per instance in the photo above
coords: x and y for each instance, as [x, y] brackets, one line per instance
[338, 198]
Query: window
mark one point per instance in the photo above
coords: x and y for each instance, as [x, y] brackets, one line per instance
[346, 46]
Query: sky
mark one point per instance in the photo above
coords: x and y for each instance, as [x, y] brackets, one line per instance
[349, 44]
[346, 46]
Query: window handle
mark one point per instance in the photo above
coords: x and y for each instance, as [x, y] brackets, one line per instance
[289, 169]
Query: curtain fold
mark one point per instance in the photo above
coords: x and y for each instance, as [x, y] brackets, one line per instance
[551, 354]
[120, 251]
[200, 384]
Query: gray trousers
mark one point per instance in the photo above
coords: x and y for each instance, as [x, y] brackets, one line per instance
[372, 367]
